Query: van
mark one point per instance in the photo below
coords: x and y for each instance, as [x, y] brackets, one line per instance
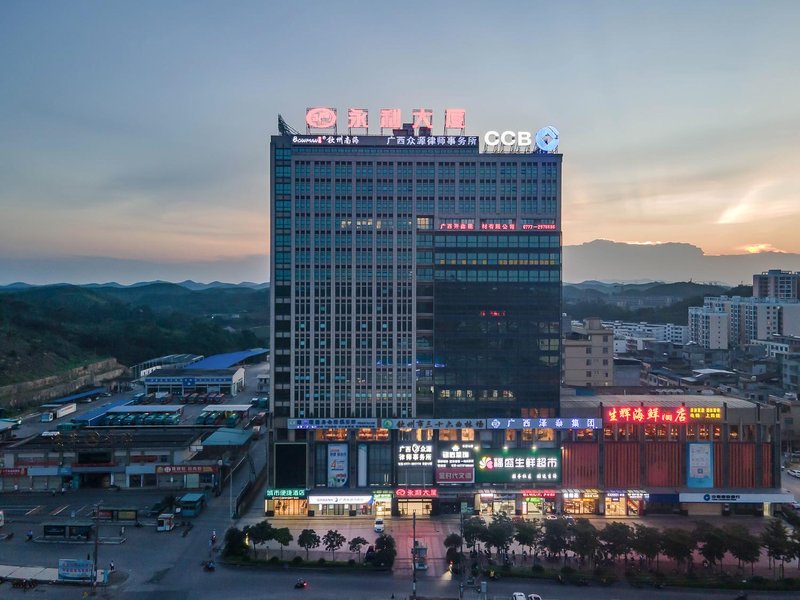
[379, 526]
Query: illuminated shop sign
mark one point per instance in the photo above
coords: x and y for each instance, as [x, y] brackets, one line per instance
[383, 496]
[404, 493]
[456, 464]
[340, 500]
[660, 414]
[561, 423]
[545, 423]
[519, 466]
[538, 493]
[410, 455]
[286, 493]
[546, 139]
[455, 474]
[386, 140]
[323, 117]
[456, 224]
[184, 469]
[330, 423]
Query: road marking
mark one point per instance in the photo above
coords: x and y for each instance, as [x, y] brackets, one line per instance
[34, 510]
[59, 510]
[80, 510]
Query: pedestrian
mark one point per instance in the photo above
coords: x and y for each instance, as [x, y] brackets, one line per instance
[111, 566]
[63, 489]
[122, 531]
[88, 556]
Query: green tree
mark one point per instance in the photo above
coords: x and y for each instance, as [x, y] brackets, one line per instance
[355, 545]
[333, 540]
[777, 543]
[500, 532]
[646, 542]
[743, 545]
[308, 539]
[474, 531]
[260, 533]
[711, 541]
[453, 543]
[529, 534]
[585, 539]
[283, 536]
[555, 536]
[385, 551]
[235, 545]
[677, 544]
[616, 538]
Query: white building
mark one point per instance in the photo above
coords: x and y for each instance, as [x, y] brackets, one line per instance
[748, 318]
[629, 337]
[709, 327]
[782, 285]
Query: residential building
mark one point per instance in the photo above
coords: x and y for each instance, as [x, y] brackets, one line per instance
[588, 355]
[709, 327]
[777, 284]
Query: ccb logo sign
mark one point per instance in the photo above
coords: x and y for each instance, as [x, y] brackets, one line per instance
[546, 139]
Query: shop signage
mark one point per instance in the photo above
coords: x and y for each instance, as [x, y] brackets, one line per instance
[705, 413]
[548, 423]
[637, 494]
[409, 455]
[75, 569]
[776, 497]
[330, 423]
[700, 468]
[645, 414]
[324, 117]
[337, 465]
[519, 465]
[546, 139]
[538, 493]
[455, 474]
[340, 500]
[403, 493]
[383, 496]
[14, 472]
[184, 469]
[286, 493]
[433, 423]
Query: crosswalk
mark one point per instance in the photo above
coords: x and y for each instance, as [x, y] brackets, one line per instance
[38, 510]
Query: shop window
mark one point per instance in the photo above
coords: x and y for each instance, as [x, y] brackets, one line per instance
[510, 435]
[584, 435]
[528, 435]
[717, 432]
[674, 432]
[650, 432]
[448, 435]
[691, 432]
[608, 433]
[748, 433]
[545, 435]
[733, 433]
[331, 435]
[662, 432]
[467, 435]
[704, 432]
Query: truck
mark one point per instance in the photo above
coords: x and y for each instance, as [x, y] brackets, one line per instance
[50, 412]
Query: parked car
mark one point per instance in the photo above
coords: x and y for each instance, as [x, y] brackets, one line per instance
[521, 596]
[379, 526]
[794, 472]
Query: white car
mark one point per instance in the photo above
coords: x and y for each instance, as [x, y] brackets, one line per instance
[521, 596]
[379, 526]
[794, 472]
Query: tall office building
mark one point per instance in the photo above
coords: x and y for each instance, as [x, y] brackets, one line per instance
[413, 275]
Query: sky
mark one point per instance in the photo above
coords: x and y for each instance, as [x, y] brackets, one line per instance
[134, 134]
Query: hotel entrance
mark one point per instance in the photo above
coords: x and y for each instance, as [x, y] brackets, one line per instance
[285, 502]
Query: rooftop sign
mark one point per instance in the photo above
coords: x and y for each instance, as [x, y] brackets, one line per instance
[660, 414]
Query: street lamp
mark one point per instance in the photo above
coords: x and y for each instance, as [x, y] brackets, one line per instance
[96, 546]
[414, 554]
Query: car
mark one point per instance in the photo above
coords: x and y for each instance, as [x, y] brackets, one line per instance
[794, 472]
[795, 505]
[521, 596]
[379, 526]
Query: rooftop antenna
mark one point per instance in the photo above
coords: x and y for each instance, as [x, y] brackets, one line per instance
[284, 128]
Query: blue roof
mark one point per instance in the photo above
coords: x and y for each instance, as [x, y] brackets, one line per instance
[101, 410]
[226, 436]
[225, 361]
[78, 396]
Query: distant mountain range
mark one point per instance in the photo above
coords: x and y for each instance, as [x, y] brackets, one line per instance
[188, 284]
[608, 261]
[598, 260]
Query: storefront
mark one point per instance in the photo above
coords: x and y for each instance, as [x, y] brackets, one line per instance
[726, 503]
[382, 503]
[537, 503]
[340, 505]
[624, 503]
[491, 503]
[580, 502]
[286, 502]
[419, 501]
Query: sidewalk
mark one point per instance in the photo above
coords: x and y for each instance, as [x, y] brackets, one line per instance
[42, 574]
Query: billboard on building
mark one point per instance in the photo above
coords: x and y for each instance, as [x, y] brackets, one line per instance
[337, 465]
[519, 465]
[700, 470]
[75, 570]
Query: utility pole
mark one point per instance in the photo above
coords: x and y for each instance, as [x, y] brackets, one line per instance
[462, 564]
[414, 555]
[96, 546]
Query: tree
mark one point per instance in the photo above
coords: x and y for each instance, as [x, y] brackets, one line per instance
[528, 533]
[554, 538]
[677, 544]
[500, 532]
[646, 542]
[712, 542]
[474, 531]
[385, 551]
[585, 539]
[235, 545]
[333, 541]
[616, 538]
[776, 541]
[283, 536]
[355, 545]
[308, 539]
[743, 545]
[260, 533]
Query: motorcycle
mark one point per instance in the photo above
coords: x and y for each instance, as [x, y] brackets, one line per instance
[209, 566]
[300, 584]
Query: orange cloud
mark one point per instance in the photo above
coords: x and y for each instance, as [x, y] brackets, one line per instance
[759, 248]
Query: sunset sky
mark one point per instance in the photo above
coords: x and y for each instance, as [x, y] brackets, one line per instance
[136, 133]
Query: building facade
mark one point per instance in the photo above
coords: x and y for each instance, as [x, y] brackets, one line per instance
[709, 327]
[781, 285]
[588, 355]
[748, 318]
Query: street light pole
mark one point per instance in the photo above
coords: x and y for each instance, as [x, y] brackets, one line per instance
[414, 554]
[96, 546]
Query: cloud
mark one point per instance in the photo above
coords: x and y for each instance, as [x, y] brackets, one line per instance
[759, 248]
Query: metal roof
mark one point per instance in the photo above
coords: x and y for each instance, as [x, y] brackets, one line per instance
[227, 436]
[78, 396]
[610, 400]
[225, 361]
[227, 407]
[101, 410]
[147, 408]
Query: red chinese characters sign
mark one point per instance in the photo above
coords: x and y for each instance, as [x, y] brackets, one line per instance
[643, 414]
[416, 493]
